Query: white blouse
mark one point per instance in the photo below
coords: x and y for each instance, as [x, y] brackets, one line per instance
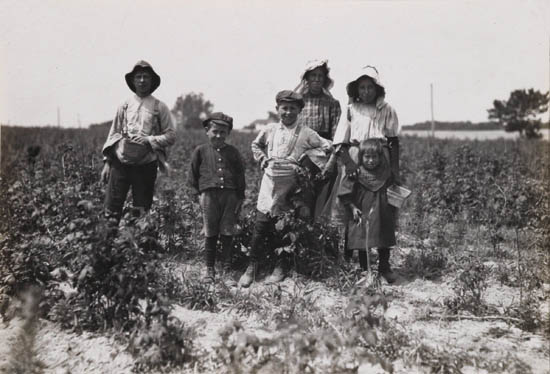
[364, 121]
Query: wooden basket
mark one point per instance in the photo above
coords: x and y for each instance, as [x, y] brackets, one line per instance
[397, 195]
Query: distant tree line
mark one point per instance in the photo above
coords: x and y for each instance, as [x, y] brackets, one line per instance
[522, 112]
[456, 126]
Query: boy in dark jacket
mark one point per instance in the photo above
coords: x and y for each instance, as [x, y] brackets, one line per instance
[217, 177]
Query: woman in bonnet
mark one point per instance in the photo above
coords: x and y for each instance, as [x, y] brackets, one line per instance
[321, 113]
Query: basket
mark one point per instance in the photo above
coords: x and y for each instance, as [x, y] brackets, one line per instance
[397, 195]
[130, 152]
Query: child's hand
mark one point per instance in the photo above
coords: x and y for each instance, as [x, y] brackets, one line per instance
[264, 163]
[357, 215]
[351, 174]
[238, 208]
[394, 179]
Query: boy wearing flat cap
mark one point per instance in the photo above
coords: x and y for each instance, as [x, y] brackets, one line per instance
[217, 177]
[279, 148]
[140, 134]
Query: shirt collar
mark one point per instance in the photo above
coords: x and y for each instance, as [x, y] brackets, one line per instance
[290, 128]
[216, 148]
[142, 99]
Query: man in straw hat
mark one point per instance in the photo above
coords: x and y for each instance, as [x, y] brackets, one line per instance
[140, 134]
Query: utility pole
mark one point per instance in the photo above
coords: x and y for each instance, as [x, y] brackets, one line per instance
[58, 118]
[432, 108]
[78, 120]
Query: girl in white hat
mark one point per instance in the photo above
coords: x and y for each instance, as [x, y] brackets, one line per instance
[367, 116]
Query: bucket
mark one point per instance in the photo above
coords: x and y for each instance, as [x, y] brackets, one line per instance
[397, 195]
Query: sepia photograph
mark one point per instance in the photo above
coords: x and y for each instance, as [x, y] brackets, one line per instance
[291, 186]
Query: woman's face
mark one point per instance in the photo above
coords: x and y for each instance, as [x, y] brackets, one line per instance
[315, 80]
[366, 89]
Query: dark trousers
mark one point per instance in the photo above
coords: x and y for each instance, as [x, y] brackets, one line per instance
[263, 226]
[141, 178]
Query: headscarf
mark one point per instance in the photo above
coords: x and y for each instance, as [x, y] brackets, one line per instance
[312, 65]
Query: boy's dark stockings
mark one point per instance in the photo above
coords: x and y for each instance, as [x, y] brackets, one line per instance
[227, 249]
[210, 245]
[210, 249]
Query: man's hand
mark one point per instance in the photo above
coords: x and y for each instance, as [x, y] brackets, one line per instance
[105, 172]
[140, 140]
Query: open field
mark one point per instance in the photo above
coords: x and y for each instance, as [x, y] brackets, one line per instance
[473, 258]
[473, 135]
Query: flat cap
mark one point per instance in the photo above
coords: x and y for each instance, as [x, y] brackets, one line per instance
[220, 119]
[288, 96]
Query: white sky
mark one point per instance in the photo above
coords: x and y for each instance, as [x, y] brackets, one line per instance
[73, 54]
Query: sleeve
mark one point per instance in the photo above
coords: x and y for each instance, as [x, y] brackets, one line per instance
[194, 171]
[316, 141]
[115, 134]
[259, 146]
[167, 136]
[335, 114]
[240, 177]
[345, 190]
[391, 122]
[343, 131]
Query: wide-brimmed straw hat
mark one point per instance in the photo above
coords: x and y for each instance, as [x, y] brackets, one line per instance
[142, 65]
[366, 71]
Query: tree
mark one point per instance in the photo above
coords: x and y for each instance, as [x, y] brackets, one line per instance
[521, 112]
[271, 118]
[191, 109]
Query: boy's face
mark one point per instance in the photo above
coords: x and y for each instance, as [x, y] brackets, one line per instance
[366, 89]
[288, 112]
[142, 82]
[371, 159]
[217, 133]
[315, 80]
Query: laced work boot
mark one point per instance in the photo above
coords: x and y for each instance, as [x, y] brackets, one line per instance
[278, 274]
[229, 280]
[249, 275]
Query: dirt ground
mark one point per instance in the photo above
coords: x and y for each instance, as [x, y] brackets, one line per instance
[416, 305]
